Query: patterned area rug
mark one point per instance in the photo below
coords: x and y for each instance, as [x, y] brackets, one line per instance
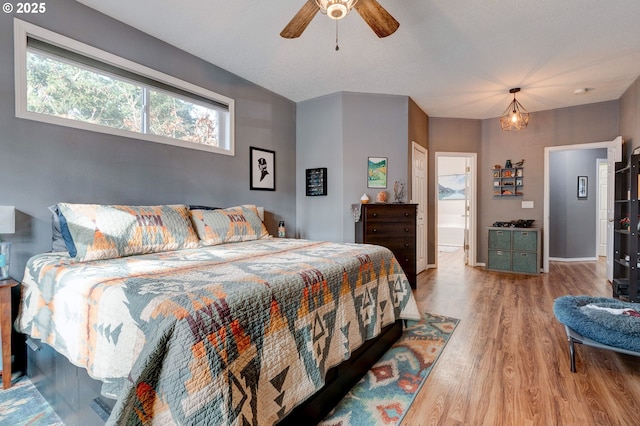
[382, 397]
[385, 394]
[22, 405]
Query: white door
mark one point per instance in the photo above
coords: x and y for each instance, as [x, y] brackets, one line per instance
[419, 197]
[602, 207]
[467, 207]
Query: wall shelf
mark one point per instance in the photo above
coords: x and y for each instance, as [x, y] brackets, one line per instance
[508, 182]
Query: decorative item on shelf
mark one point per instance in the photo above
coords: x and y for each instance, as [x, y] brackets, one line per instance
[7, 226]
[398, 192]
[520, 163]
[381, 197]
[515, 117]
[507, 165]
[364, 199]
[282, 231]
[624, 222]
[497, 167]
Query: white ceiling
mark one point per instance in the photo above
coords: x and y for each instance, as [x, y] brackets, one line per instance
[454, 58]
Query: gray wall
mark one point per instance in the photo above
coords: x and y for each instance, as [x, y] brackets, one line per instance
[340, 132]
[43, 164]
[573, 222]
[319, 144]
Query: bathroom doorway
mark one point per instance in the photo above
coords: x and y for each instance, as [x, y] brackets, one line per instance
[455, 204]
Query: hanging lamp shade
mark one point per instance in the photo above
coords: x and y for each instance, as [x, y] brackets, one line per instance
[515, 117]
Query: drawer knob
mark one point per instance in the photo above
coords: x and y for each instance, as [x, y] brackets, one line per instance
[406, 229]
[374, 230]
[375, 215]
[406, 244]
[406, 215]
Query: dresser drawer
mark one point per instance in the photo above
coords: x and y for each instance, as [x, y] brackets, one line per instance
[393, 213]
[500, 260]
[526, 262]
[499, 239]
[390, 230]
[525, 240]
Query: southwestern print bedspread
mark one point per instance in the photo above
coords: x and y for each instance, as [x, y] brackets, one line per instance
[231, 334]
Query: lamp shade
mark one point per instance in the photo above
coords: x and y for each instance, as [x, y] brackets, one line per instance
[7, 219]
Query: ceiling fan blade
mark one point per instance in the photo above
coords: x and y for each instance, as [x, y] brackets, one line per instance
[376, 16]
[297, 25]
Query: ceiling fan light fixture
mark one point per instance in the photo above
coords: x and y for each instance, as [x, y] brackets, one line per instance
[336, 9]
[515, 117]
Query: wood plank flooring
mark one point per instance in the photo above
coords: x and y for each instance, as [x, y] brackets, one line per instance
[507, 362]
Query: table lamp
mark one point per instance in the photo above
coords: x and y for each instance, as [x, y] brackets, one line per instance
[7, 226]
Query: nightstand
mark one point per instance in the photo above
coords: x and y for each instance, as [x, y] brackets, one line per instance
[5, 328]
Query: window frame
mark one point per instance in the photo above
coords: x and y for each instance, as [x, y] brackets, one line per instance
[23, 30]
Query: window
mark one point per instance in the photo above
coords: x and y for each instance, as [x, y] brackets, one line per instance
[62, 81]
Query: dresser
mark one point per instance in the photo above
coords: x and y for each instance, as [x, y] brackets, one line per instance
[392, 226]
[514, 250]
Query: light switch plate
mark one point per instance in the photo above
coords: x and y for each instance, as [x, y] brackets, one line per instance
[527, 204]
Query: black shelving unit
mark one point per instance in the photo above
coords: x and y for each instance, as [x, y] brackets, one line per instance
[626, 257]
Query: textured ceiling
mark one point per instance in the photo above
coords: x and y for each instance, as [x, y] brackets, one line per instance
[454, 58]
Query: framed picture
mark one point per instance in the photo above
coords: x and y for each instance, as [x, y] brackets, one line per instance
[451, 187]
[316, 181]
[583, 187]
[262, 169]
[377, 172]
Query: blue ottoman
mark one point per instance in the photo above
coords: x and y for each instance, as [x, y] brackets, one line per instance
[599, 322]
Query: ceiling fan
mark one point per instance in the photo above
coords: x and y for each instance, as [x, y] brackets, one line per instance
[380, 21]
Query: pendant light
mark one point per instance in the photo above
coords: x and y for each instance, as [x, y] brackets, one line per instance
[515, 117]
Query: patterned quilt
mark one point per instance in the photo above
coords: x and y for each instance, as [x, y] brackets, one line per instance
[230, 334]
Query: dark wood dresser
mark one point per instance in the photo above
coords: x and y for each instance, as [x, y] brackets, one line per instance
[392, 226]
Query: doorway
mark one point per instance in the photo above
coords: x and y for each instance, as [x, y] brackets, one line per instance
[614, 154]
[455, 199]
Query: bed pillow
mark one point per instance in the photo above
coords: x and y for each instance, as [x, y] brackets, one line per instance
[235, 224]
[111, 231]
[58, 240]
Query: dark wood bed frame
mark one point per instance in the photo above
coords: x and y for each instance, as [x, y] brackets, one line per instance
[76, 397]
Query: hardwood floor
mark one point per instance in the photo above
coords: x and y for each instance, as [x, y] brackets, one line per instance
[507, 362]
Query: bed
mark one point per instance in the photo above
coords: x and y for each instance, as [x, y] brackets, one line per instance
[196, 316]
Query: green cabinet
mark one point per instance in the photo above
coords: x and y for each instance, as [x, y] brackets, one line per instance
[514, 250]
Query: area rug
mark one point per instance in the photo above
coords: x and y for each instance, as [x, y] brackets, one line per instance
[386, 392]
[382, 397]
[22, 405]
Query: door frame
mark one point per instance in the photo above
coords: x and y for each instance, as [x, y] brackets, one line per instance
[599, 163]
[473, 201]
[417, 147]
[614, 154]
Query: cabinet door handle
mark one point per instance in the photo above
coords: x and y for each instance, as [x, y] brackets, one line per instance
[523, 254]
[524, 234]
[499, 253]
[499, 232]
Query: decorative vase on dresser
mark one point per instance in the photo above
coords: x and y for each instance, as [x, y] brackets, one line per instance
[392, 226]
